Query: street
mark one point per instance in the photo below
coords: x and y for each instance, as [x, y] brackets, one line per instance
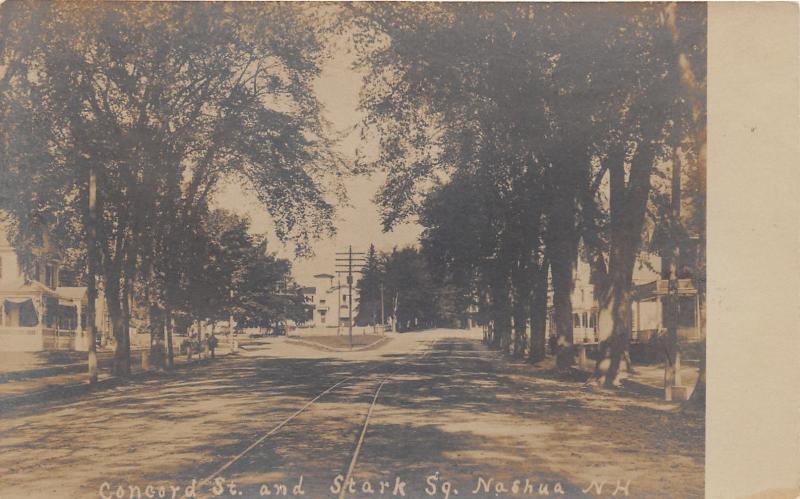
[427, 414]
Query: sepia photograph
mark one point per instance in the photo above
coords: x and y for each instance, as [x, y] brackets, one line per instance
[370, 249]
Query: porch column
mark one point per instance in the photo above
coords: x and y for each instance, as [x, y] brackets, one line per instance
[697, 315]
[660, 312]
[38, 305]
[78, 328]
[80, 339]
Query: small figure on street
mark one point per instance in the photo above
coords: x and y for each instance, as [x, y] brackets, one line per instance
[212, 343]
[553, 344]
[187, 346]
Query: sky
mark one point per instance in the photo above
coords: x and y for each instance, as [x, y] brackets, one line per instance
[358, 224]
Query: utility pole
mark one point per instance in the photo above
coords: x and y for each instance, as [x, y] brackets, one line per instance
[674, 388]
[394, 315]
[382, 317]
[350, 299]
[230, 325]
[347, 268]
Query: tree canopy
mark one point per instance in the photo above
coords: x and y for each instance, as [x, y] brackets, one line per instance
[159, 102]
[548, 124]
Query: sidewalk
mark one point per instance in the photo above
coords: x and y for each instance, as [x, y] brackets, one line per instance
[650, 376]
[11, 362]
[18, 366]
[38, 383]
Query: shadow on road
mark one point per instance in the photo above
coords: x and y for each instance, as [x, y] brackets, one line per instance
[462, 411]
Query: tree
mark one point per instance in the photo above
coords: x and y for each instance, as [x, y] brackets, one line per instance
[264, 294]
[649, 114]
[453, 242]
[162, 101]
[484, 76]
[369, 290]
[214, 258]
[409, 285]
[539, 102]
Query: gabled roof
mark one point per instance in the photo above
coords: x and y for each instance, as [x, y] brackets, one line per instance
[32, 287]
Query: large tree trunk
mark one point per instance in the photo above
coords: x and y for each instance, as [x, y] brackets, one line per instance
[168, 335]
[501, 313]
[538, 346]
[628, 205]
[170, 287]
[561, 268]
[91, 274]
[522, 296]
[121, 363]
[698, 396]
[561, 247]
[126, 317]
[615, 300]
[499, 309]
[520, 323]
[616, 313]
[483, 312]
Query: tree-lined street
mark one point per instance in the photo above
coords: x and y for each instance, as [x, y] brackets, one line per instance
[167, 167]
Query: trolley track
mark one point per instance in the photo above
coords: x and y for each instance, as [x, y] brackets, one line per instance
[352, 380]
[362, 434]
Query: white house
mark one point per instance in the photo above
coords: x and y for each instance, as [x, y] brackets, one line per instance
[36, 313]
[649, 301]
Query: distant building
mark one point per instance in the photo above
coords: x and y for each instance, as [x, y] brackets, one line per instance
[309, 294]
[36, 312]
[329, 299]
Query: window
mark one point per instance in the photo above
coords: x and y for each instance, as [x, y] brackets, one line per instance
[28, 316]
[322, 302]
[593, 320]
[585, 321]
[576, 320]
[50, 306]
[686, 312]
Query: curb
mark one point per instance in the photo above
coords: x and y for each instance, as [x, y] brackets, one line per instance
[44, 372]
[68, 390]
[320, 346]
[631, 384]
[627, 383]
